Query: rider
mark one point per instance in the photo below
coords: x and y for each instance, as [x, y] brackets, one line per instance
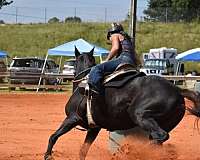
[123, 51]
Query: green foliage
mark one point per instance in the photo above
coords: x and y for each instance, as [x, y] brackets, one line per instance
[73, 19]
[4, 3]
[157, 9]
[36, 39]
[2, 22]
[173, 10]
[182, 36]
[53, 20]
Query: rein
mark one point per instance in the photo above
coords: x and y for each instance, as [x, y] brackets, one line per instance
[84, 72]
[79, 105]
[79, 80]
[77, 113]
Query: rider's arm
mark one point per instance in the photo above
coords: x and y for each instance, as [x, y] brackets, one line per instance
[115, 47]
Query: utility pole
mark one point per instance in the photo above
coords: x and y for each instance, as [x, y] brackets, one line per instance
[74, 12]
[133, 16]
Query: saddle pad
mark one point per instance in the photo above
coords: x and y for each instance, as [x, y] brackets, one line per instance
[122, 79]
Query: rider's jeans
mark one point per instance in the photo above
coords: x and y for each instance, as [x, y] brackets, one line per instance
[97, 72]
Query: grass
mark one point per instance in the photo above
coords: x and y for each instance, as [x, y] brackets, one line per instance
[35, 39]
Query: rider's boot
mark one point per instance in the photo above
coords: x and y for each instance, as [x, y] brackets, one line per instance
[81, 88]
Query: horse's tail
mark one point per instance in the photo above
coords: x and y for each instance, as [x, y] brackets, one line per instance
[195, 98]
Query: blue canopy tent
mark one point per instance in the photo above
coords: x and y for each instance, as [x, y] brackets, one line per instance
[190, 55]
[3, 54]
[68, 49]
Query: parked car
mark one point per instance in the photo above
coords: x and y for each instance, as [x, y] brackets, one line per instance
[3, 70]
[28, 70]
[68, 68]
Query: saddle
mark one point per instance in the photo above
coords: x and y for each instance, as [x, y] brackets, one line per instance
[117, 79]
[122, 74]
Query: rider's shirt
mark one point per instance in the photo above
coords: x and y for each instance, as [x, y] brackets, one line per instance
[126, 47]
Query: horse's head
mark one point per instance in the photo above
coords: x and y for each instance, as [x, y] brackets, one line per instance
[83, 61]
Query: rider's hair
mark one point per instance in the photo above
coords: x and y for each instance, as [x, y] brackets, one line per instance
[115, 28]
[126, 36]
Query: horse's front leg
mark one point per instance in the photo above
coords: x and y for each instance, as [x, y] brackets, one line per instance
[90, 137]
[69, 123]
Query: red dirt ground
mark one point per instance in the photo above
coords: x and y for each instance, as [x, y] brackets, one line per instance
[27, 120]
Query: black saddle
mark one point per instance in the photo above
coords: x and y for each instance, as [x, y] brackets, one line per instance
[123, 78]
[123, 74]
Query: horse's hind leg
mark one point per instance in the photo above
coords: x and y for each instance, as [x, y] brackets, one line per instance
[144, 119]
[69, 123]
[90, 137]
[157, 134]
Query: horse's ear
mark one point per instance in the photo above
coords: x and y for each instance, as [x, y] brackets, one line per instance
[92, 51]
[77, 53]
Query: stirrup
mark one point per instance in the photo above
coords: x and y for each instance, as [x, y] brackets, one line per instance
[82, 88]
[85, 90]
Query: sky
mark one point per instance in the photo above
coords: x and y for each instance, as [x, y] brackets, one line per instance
[26, 11]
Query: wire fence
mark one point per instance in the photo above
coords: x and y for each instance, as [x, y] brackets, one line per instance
[190, 82]
[172, 14]
[96, 14]
[42, 15]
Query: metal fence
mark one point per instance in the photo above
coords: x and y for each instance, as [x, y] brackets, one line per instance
[43, 15]
[16, 15]
[6, 82]
[186, 82]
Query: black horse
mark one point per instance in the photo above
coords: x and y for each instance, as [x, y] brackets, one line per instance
[150, 102]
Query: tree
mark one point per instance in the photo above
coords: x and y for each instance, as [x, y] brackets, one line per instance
[73, 19]
[187, 10]
[4, 3]
[53, 20]
[2, 22]
[173, 10]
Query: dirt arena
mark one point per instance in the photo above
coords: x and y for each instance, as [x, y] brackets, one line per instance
[28, 119]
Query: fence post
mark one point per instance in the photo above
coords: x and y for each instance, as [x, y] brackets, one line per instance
[105, 15]
[45, 15]
[16, 14]
[166, 15]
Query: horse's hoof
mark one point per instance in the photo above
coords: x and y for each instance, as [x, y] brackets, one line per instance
[156, 143]
[48, 157]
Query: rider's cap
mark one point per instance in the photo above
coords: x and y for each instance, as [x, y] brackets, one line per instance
[115, 28]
